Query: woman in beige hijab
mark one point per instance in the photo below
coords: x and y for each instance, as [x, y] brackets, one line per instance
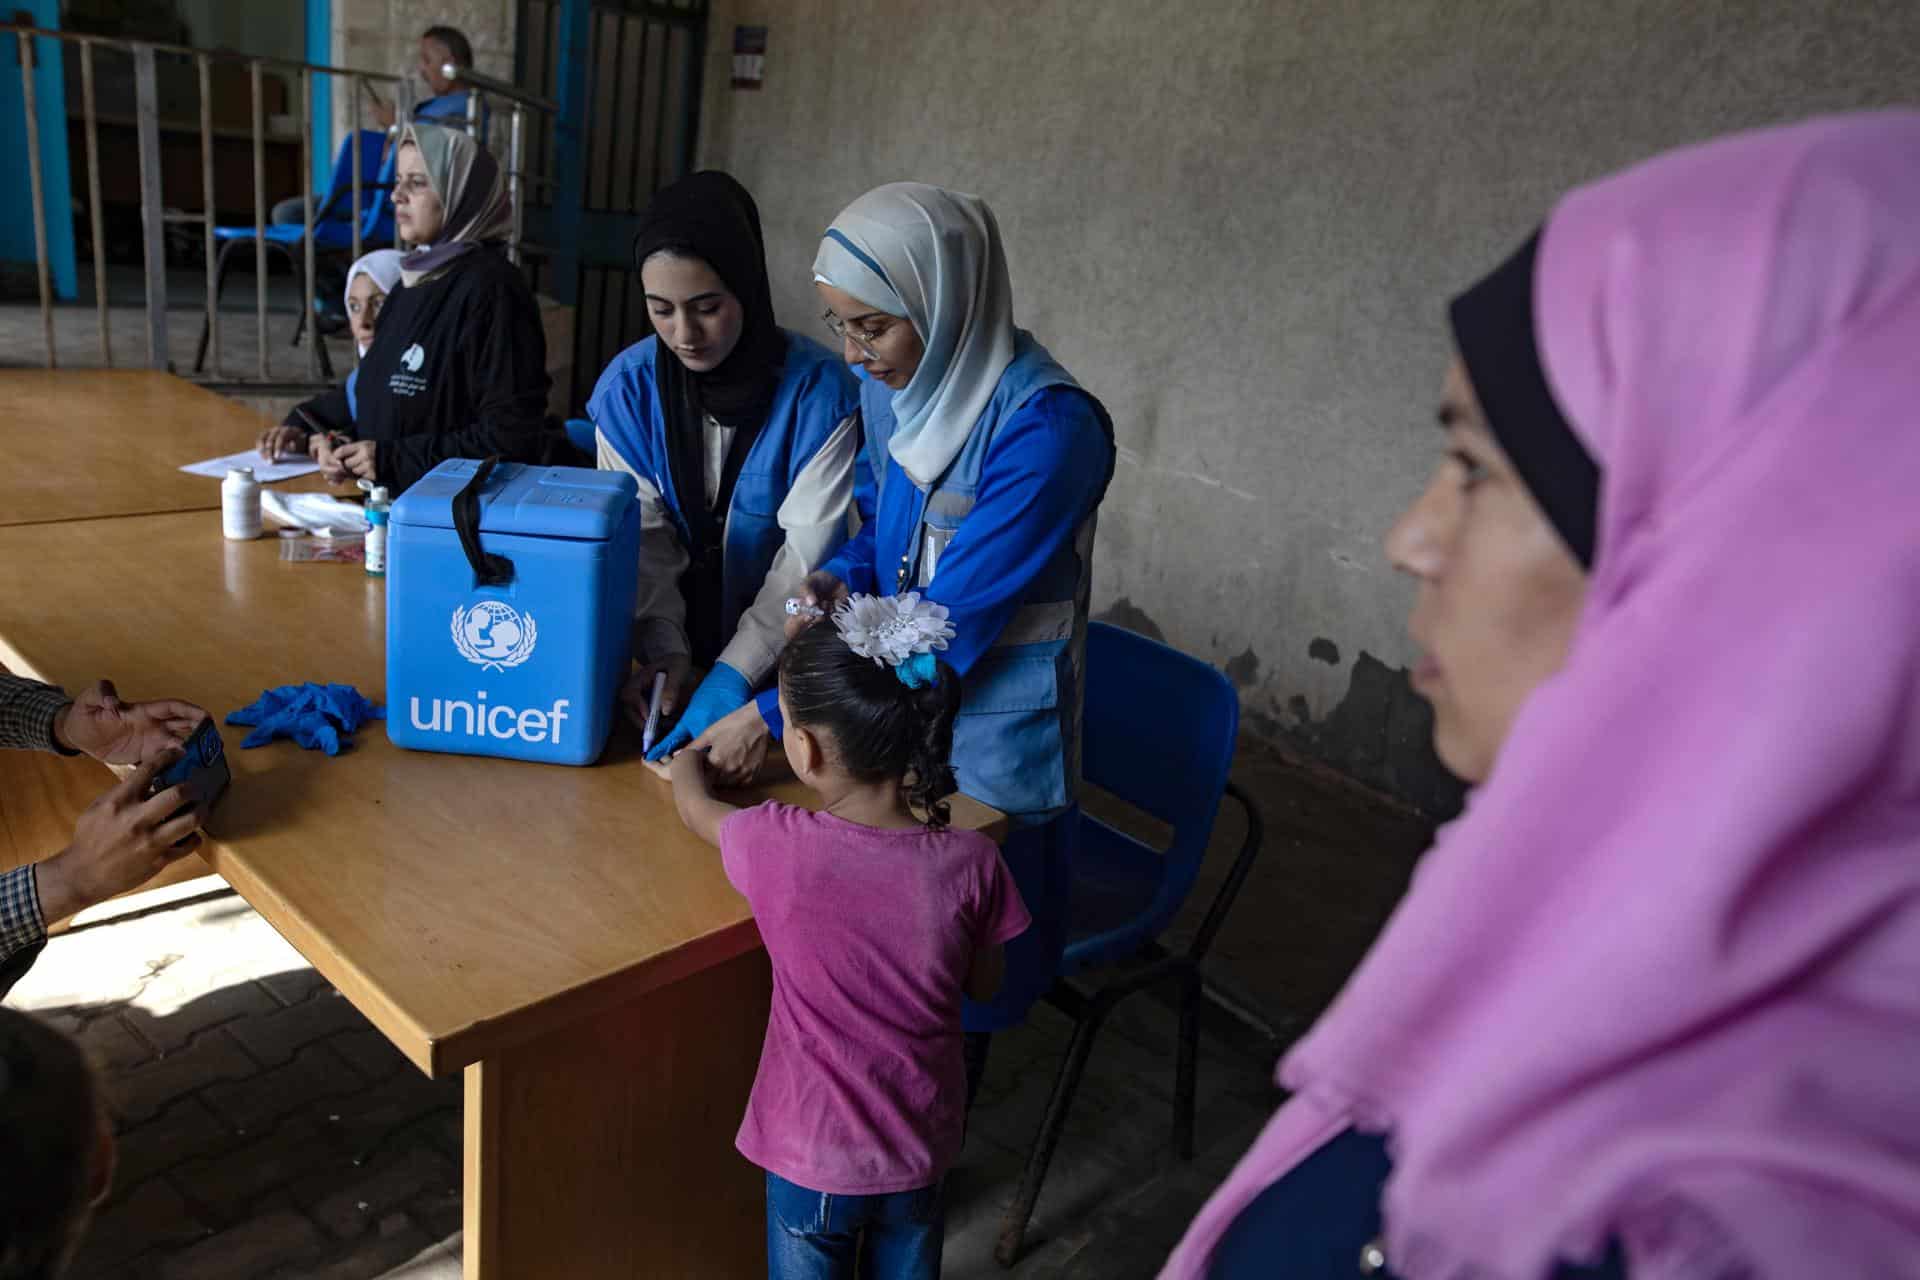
[458, 366]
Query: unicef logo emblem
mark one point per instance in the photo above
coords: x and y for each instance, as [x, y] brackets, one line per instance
[493, 635]
[411, 359]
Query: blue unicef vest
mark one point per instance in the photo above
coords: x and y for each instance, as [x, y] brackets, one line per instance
[816, 394]
[1016, 743]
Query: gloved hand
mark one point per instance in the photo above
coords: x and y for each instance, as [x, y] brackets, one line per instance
[722, 692]
[320, 717]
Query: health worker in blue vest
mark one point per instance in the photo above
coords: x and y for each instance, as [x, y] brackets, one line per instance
[987, 464]
[743, 438]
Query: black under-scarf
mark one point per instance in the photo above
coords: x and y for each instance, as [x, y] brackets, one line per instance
[1493, 329]
[710, 216]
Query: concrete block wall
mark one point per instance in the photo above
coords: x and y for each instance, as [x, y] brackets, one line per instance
[1239, 224]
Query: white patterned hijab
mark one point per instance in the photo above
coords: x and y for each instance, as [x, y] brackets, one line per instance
[934, 257]
[382, 266]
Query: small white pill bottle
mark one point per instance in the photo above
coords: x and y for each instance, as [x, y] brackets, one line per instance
[240, 504]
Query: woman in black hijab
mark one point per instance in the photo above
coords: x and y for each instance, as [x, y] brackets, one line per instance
[743, 438]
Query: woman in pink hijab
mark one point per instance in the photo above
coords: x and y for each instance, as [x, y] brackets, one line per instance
[1652, 1005]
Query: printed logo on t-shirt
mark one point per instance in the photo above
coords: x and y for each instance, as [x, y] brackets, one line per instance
[407, 381]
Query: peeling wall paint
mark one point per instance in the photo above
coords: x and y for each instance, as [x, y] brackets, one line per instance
[1381, 733]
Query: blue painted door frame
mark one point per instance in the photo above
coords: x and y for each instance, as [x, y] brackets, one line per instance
[16, 194]
[570, 149]
[320, 52]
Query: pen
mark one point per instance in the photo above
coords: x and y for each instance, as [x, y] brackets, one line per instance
[648, 734]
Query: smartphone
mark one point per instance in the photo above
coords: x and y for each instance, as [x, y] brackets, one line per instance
[202, 767]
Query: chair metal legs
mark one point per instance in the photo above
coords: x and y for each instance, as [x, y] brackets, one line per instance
[219, 288]
[1089, 1016]
[1090, 1011]
[1186, 1071]
[1013, 1223]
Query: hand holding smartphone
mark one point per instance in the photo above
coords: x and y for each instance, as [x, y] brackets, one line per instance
[202, 766]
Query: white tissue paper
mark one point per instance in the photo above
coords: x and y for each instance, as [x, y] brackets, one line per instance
[318, 513]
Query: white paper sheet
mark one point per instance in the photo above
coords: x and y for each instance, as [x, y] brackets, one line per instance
[264, 471]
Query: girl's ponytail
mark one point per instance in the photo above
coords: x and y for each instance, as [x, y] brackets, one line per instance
[931, 780]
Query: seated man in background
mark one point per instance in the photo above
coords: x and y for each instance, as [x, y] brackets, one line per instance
[446, 103]
[124, 837]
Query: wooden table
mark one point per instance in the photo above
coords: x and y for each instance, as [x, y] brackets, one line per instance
[554, 932]
[86, 445]
[82, 445]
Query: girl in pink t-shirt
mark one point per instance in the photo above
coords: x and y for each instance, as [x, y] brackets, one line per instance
[878, 918]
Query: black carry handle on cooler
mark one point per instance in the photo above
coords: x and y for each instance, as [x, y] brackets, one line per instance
[489, 570]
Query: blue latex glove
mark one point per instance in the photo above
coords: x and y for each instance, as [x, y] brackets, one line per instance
[317, 716]
[723, 692]
[768, 700]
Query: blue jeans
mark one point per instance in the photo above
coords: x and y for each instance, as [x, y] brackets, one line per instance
[815, 1236]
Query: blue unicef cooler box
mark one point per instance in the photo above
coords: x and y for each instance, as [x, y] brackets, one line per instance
[509, 609]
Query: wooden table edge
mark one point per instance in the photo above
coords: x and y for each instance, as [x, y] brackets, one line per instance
[442, 1052]
[599, 995]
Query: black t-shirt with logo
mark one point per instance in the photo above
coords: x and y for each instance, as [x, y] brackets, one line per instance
[457, 369]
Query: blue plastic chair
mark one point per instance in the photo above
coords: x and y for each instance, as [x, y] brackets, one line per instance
[332, 228]
[1159, 735]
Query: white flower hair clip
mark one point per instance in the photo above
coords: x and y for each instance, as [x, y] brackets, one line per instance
[891, 630]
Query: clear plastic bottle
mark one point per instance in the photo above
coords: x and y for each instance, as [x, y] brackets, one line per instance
[379, 506]
[240, 504]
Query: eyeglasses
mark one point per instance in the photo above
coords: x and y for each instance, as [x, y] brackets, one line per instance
[859, 338]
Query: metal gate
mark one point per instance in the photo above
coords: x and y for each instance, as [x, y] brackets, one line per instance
[629, 73]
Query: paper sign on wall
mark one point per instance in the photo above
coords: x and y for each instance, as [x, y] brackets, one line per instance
[749, 57]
